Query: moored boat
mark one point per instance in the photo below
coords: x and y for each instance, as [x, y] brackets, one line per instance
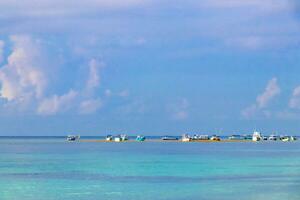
[109, 138]
[186, 138]
[140, 138]
[169, 138]
[256, 136]
[72, 138]
[273, 137]
[236, 137]
[215, 138]
[118, 138]
[285, 139]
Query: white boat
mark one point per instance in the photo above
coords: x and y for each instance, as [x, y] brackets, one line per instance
[256, 136]
[186, 138]
[215, 138]
[203, 137]
[72, 138]
[109, 138]
[118, 139]
[285, 139]
[293, 138]
[124, 137]
[273, 137]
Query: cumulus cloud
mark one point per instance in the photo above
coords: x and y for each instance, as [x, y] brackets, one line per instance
[295, 99]
[57, 104]
[266, 5]
[90, 106]
[62, 8]
[262, 101]
[1, 50]
[94, 75]
[270, 92]
[23, 76]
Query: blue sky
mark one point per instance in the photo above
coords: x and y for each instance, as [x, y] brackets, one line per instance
[149, 67]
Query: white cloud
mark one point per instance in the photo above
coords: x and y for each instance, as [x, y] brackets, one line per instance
[266, 5]
[1, 50]
[262, 101]
[63, 8]
[90, 106]
[23, 76]
[93, 81]
[295, 99]
[270, 92]
[57, 104]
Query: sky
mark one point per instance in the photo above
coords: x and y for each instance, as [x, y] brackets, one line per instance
[98, 67]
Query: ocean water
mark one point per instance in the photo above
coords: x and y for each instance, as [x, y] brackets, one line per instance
[52, 169]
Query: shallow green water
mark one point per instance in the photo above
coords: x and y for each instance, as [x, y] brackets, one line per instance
[53, 169]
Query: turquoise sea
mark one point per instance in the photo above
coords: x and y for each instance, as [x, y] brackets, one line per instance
[52, 169]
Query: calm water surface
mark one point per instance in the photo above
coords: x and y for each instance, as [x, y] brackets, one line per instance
[52, 169]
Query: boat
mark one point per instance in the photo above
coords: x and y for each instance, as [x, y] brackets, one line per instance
[186, 138]
[236, 137]
[124, 137]
[72, 138]
[203, 137]
[140, 138]
[285, 139]
[215, 138]
[293, 138]
[109, 138]
[273, 137]
[118, 138]
[247, 137]
[256, 136]
[169, 138]
[265, 138]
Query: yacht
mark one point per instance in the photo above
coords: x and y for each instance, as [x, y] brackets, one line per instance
[186, 138]
[256, 136]
[118, 138]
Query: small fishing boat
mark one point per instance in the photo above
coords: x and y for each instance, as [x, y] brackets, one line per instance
[169, 138]
[215, 138]
[72, 138]
[256, 136]
[186, 138]
[273, 137]
[109, 138]
[140, 138]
